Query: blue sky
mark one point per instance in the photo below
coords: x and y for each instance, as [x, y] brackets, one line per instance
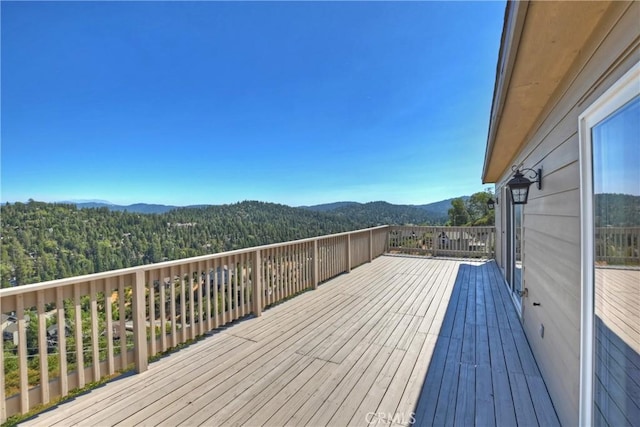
[217, 102]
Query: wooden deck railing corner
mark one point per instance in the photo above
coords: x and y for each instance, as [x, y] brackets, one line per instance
[473, 242]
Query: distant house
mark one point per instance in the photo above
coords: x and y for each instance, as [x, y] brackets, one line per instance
[461, 240]
[52, 331]
[464, 237]
[566, 106]
[222, 274]
[9, 328]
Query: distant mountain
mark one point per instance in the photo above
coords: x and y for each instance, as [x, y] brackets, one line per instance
[387, 213]
[378, 213]
[143, 208]
[77, 201]
[442, 207]
[368, 213]
[87, 204]
[328, 207]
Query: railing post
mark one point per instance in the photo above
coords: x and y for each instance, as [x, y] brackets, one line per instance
[348, 253]
[370, 245]
[256, 283]
[139, 323]
[494, 242]
[387, 239]
[315, 264]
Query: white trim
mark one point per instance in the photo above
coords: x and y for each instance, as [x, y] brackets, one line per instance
[627, 87]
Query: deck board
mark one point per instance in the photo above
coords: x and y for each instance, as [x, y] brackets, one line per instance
[404, 338]
[617, 344]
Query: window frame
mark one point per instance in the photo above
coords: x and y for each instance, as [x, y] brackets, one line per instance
[621, 92]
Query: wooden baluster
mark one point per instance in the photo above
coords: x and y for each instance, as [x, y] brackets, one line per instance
[275, 275]
[153, 338]
[79, 338]
[95, 334]
[107, 290]
[123, 323]
[301, 266]
[183, 305]
[62, 342]
[218, 318]
[280, 275]
[202, 294]
[288, 272]
[192, 311]
[42, 349]
[242, 278]
[22, 354]
[315, 267]
[172, 304]
[208, 293]
[236, 278]
[256, 291]
[221, 284]
[163, 309]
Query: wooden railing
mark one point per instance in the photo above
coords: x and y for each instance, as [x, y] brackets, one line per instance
[470, 242]
[64, 334]
[617, 245]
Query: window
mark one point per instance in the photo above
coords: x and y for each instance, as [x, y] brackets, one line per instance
[610, 193]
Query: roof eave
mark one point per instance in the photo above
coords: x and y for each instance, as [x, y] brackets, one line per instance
[515, 14]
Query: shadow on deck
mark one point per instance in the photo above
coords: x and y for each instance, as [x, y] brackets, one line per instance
[483, 371]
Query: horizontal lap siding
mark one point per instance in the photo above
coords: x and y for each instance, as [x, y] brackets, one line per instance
[551, 243]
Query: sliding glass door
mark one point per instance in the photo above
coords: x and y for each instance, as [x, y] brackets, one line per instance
[611, 261]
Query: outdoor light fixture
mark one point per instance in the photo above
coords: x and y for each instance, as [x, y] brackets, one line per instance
[519, 184]
[491, 204]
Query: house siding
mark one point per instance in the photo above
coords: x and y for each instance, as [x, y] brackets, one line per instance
[551, 227]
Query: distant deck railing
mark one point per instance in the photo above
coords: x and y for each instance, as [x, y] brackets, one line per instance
[617, 245]
[64, 334]
[468, 242]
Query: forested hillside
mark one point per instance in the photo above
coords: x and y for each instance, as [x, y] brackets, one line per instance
[42, 241]
[617, 210]
[382, 212]
[377, 213]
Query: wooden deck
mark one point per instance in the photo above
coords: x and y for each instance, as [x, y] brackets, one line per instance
[617, 346]
[400, 340]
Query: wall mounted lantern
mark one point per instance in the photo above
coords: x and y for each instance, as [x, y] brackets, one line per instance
[491, 204]
[519, 184]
